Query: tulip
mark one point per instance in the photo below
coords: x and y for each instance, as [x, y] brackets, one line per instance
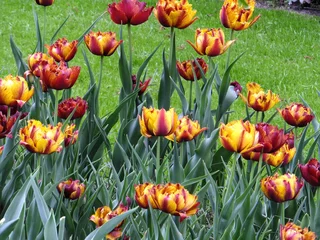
[297, 115]
[210, 42]
[38, 138]
[154, 122]
[45, 2]
[238, 136]
[14, 91]
[189, 69]
[187, 130]
[71, 136]
[311, 172]
[72, 189]
[142, 85]
[258, 99]
[1, 149]
[176, 200]
[237, 17]
[59, 76]
[6, 123]
[104, 214]
[144, 194]
[37, 61]
[237, 87]
[283, 155]
[281, 188]
[290, 231]
[174, 13]
[66, 107]
[102, 43]
[131, 12]
[62, 50]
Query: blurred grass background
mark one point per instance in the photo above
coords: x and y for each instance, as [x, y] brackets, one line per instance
[282, 50]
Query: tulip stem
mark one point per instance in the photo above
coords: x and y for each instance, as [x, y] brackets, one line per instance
[130, 49]
[96, 100]
[282, 213]
[158, 156]
[229, 50]
[190, 97]
[56, 100]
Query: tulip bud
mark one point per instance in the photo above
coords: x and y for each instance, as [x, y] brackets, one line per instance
[311, 172]
[297, 115]
[189, 69]
[66, 107]
[62, 50]
[72, 189]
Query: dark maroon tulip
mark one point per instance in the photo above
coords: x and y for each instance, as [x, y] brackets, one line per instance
[311, 172]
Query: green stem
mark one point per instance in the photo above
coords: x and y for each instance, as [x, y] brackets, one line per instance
[282, 213]
[130, 49]
[158, 158]
[229, 50]
[56, 100]
[190, 97]
[44, 28]
[172, 64]
[98, 88]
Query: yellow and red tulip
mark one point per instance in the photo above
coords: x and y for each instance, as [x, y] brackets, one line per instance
[70, 136]
[237, 17]
[281, 188]
[45, 2]
[175, 13]
[190, 71]
[311, 172]
[7, 122]
[144, 194]
[14, 91]
[104, 214]
[210, 42]
[62, 50]
[38, 138]
[258, 99]
[72, 189]
[173, 198]
[283, 155]
[187, 130]
[37, 61]
[238, 136]
[66, 107]
[102, 43]
[131, 12]
[291, 231]
[59, 76]
[297, 115]
[155, 122]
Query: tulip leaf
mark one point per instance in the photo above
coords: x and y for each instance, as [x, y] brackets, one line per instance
[58, 30]
[124, 70]
[247, 230]
[62, 224]
[102, 231]
[299, 151]
[39, 47]
[50, 229]
[21, 65]
[165, 86]
[176, 234]
[184, 102]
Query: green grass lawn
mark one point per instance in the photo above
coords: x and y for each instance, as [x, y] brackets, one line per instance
[282, 50]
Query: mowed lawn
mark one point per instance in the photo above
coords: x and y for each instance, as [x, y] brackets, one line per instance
[282, 50]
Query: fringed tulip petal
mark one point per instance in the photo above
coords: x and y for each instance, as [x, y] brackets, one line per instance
[297, 115]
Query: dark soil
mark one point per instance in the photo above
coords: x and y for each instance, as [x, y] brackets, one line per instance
[296, 7]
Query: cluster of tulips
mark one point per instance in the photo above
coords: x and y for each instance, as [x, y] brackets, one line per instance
[258, 142]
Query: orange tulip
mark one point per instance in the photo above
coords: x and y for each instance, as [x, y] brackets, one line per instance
[38, 138]
[131, 12]
[258, 99]
[210, 42]
[45, 2]
[281, 188]
[297, 115]
[102, 43]
[239, 136]
[72, 189]
[59, 76]
[237, 17]
[174, 13]
[154, 122]
[62, 50]
[189, 69]
[187, 130]
[37, 61]
[291, 231]
[67, 106]
[14, 91]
